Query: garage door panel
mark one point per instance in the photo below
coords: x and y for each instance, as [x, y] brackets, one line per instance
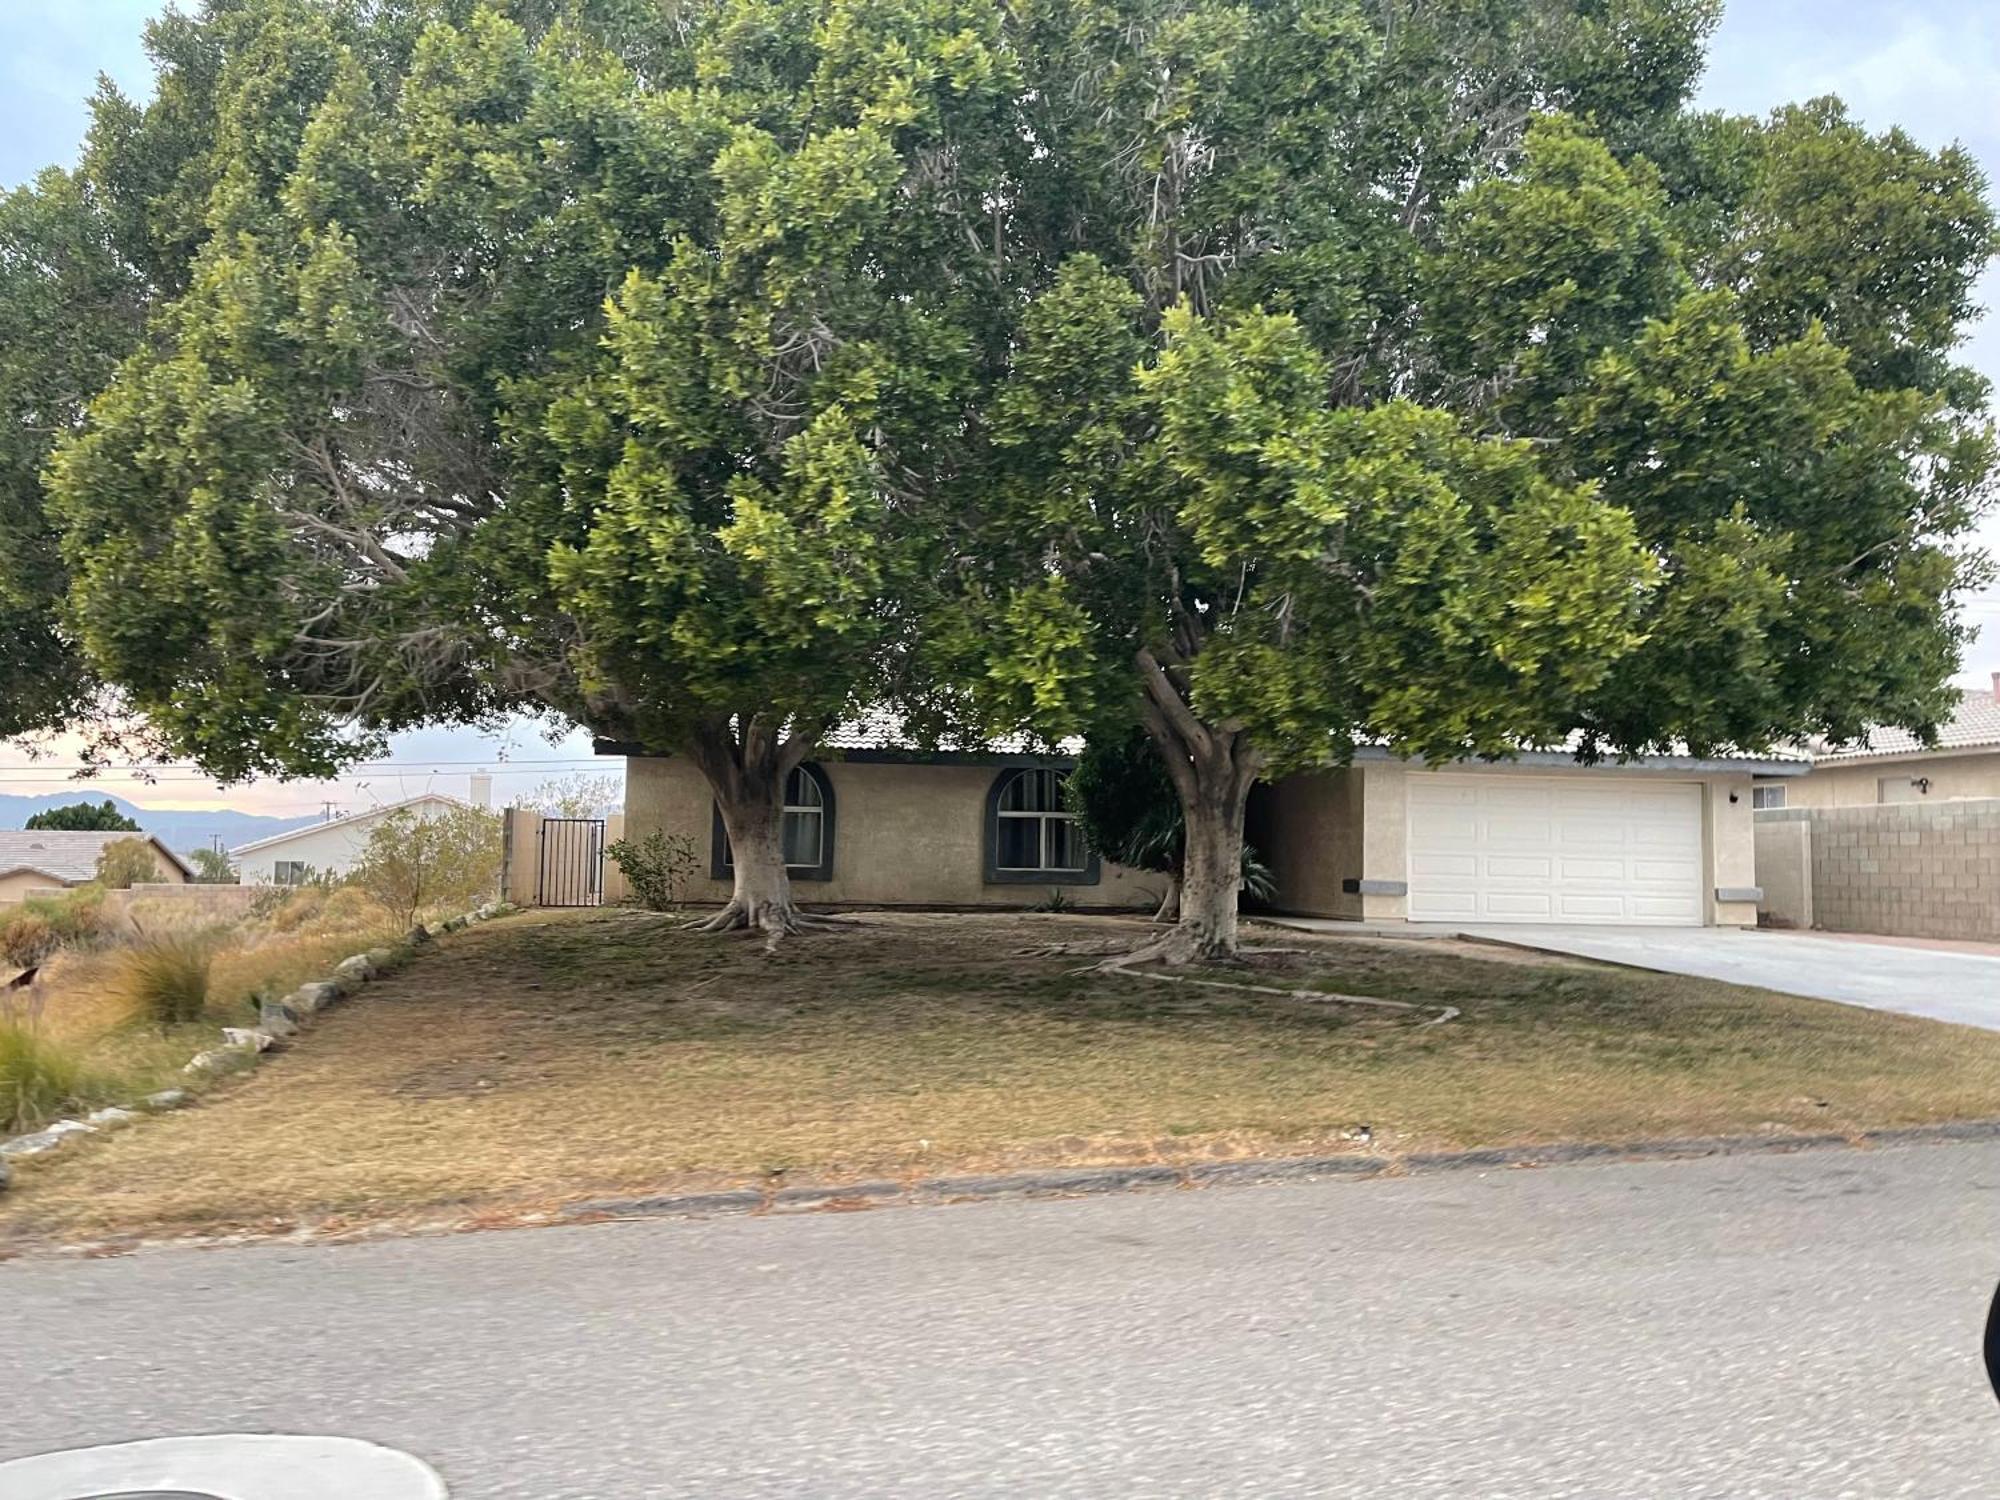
[1521, 906]
[1444, 867]
[1505, 848]
[1519, 866]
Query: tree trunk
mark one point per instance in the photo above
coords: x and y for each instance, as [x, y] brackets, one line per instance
[1170, 899]
[746, 765]
[1213, 767]
[761, 897]
[1211, 866]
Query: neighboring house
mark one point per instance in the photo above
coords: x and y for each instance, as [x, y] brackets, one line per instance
[1891, 765]
[36, 861]
[332, 847]
[1665, 841]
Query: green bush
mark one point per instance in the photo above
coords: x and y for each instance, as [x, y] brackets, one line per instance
[656, 867]
[124, 863]
[163, 981]
[39, 1078]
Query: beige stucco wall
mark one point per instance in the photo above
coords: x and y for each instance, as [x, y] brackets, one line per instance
[1784, 870]
[904, 835]
[1855, 783]
[25, 883]
[1307, 830]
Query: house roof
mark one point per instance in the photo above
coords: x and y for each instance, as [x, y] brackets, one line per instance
[68, 857]
[351, 820]
[1975, 725]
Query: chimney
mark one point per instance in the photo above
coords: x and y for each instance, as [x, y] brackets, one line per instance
[1996, 687]
[482, 789]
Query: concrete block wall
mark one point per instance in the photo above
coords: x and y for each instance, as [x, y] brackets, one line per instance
[1901, 869]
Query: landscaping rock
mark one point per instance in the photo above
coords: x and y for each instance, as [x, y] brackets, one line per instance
[218, 1060]
[418, 936]
[105, 1119]
[248, 1038]
[454, 924]
[310, 998]
[357, 969]
[278, 1018]
[383, 959]
[168, 1099]
[45, 1140]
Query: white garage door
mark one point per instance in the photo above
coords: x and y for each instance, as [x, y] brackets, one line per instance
[1531, 849]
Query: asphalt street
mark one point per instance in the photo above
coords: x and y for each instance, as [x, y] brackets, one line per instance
[1791, 1327]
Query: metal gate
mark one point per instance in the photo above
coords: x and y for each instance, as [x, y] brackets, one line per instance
[571, 871]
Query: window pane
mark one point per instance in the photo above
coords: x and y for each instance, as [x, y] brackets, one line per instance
[1014, 795]
[801, 838]
[1065, 845]
[1020, 844]
[801, 790]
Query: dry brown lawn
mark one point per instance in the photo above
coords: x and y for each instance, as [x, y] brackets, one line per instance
[560, 1056]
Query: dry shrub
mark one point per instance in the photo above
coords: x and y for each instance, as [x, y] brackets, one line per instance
[27, 938]
[298, 908]
[39, 1077]
[34, 930]
[349, 906]
[163, 980]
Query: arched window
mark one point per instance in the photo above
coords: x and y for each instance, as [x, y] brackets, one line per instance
[1032, 838]
[806, 829]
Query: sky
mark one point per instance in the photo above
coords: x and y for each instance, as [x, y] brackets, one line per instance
[1932, 66]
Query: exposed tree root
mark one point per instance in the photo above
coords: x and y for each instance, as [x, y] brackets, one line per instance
[775, 920]
[1305, 997]
[1120, 959]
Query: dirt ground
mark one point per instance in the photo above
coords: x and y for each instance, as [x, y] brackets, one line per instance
[558, 1056]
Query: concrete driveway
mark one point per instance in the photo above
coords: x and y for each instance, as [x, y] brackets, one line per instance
[1940, 983]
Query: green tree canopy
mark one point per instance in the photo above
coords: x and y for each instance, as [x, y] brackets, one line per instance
[83, 817]
[590, 359]
[1450, 387]
[1284, 377]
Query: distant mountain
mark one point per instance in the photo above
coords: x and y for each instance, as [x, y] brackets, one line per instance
[181, 829]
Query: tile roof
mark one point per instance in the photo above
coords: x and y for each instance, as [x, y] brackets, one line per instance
[1975, 726]
[879, 729]
[63, 855]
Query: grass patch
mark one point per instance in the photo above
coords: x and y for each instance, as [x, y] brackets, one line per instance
[39, 1077]
[565, 1055]
[163, 981]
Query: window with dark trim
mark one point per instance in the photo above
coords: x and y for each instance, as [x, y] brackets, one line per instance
[806, 829]
[1032, 838]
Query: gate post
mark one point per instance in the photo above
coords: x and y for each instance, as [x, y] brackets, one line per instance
[521, 840]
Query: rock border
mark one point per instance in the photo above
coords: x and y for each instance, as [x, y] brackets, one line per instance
[277, 1022]
[1073, 1182]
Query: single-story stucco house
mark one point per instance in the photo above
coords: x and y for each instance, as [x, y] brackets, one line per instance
[37, 861]
[1666, 840]
[1892, 765]
[333, 847]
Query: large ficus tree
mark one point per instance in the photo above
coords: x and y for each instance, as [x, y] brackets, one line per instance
[1280, 376]
[598, 358]
[1427, 375]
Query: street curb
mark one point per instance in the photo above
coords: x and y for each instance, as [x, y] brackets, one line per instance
[1092, 1181]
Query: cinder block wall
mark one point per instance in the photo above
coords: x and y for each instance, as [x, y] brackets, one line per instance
[1903, 869]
